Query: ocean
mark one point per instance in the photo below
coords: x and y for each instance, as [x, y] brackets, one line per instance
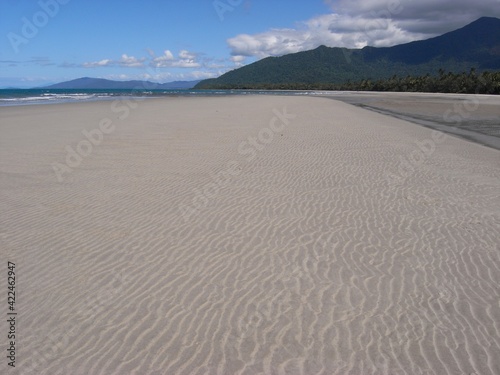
[14, 97]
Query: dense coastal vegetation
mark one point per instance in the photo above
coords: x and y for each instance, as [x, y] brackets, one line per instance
[464, 83]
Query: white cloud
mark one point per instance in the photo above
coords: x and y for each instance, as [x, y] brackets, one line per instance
[165, 76]
[155, 66]
[125, 61]
[273, 42]
[238, 60]
[160, 77]
[167, 60]
[331, 30]
[183, 54]
[96, 64]
[185, 59]
[163, 60]
[131, 61]
[185, 63]
[356, 24]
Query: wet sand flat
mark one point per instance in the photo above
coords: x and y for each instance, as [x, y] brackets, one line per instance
[247, 235]
[472, 117]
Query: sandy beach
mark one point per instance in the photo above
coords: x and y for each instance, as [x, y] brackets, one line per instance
[247, 235]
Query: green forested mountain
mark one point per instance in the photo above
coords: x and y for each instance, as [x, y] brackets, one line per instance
[476, 46]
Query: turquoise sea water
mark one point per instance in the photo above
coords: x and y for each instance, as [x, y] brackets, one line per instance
[10, 97]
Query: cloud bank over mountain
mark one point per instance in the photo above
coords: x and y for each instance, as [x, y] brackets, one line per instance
[356, 24]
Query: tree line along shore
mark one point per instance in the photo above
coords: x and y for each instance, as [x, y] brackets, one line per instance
[457, 83]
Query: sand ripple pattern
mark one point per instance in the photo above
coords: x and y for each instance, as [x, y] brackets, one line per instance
[310, 261]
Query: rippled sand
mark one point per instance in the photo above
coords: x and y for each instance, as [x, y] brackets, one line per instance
[247, 235]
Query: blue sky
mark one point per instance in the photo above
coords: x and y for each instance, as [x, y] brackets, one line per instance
[48, 41]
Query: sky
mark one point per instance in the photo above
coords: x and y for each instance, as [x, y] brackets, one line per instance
[49, 41]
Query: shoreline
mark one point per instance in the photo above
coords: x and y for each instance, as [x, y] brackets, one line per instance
[469, 126]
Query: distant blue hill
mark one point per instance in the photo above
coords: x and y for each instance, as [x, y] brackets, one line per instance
[105, 84]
